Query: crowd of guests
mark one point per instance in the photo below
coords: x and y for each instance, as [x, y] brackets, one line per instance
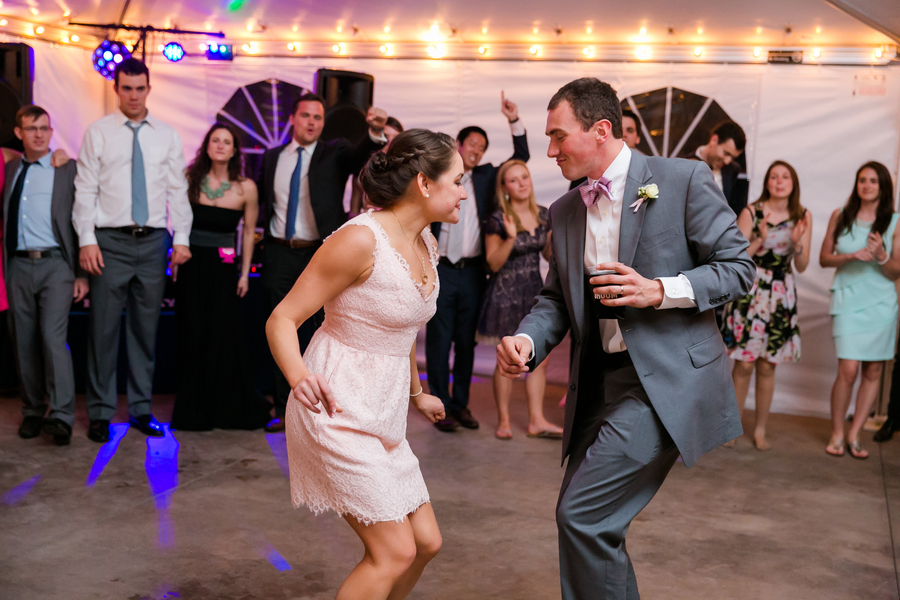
[99, 227]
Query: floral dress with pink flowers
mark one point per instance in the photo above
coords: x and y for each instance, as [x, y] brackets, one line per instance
[763, 324]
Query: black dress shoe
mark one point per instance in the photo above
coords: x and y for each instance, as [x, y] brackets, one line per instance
[30, 427]
[887, 431]
[98, 431]
[59, 429]
[447, 425]
[464, 417]
[148, 425]
[275, 425]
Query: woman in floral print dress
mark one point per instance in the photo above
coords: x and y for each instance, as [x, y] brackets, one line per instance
[761, 328]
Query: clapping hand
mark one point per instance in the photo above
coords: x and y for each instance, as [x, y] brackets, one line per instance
[509, 224]
[762, 226]
[864, 255]
[376, 119]
[313, 390]
[875, 245]
[508, 108]
[430, 406]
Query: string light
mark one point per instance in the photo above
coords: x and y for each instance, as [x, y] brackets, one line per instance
[759, 31]
[642, 53]
[757, 52]
[818, 30]
[160, 48]
[436, 51]
[295, 28]
[339, 28]
[482, 50]
[589, 30]
[290, 46]
[879, 52]
[3, 22]
[74, 38]
[816, 53]
[339, 49]
[203, 47]
[534, 50]
[35, 11]
[698, 51]
[484, 30]
[387, 50]
[535, 31]
[699, 31]
[387, 28]
[643, 31]
[65, 39]
[587, 51]
[39, 30]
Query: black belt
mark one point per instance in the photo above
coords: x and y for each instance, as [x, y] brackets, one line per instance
[462, 263]
[33, 254]
[134, 230]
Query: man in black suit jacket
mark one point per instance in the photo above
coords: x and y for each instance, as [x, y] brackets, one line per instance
[302, 187]
[462, 273]
[40, 263]
[726, 144]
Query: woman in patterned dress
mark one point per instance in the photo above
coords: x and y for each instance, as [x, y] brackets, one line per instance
[377, 279]
[515, 238]
[761, 328]
[863, 244]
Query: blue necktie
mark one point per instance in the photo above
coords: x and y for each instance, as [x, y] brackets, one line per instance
[293, 199]
[139, 211]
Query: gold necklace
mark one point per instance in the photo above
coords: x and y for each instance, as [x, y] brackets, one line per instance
[419, 256]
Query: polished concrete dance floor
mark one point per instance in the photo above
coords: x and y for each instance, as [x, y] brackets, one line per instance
[207, 516]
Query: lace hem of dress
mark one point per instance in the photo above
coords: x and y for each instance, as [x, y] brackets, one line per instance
[318, 508]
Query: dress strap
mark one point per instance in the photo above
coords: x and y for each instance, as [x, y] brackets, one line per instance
[432, 245]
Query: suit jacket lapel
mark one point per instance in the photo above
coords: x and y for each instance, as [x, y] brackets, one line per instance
[632, 222]
[56, 200]
[574, 240]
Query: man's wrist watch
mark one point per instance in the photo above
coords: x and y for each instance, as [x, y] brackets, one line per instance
[514, 121]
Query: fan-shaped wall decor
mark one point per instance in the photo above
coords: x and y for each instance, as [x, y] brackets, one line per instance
[674, 122]
[261, 110]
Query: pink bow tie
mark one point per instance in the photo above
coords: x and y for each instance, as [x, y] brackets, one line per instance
[591, 193]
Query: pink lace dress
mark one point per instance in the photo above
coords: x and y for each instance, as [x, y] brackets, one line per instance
[359, 463]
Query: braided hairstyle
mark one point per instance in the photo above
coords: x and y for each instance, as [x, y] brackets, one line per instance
[388, 174]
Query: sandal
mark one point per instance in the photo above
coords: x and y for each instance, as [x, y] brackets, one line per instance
[857, 451]
[835, 448]
[503, 434]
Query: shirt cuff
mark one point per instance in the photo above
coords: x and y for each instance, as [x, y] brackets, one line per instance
[181, 239]
[378, 139]
[677, 292]
[517, 128]
[87, 238]
[528, 337]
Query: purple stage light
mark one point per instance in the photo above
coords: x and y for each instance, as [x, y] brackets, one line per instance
[107, 55]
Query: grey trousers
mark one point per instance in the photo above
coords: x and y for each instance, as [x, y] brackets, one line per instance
[40, 296]
[133, 279]
[610, 478]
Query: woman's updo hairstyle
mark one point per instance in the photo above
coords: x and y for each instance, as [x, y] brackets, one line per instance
[387, 175]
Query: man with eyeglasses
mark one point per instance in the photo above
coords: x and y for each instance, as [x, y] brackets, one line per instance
[40, 262]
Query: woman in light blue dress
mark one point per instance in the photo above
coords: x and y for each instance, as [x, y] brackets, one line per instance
[862, 243]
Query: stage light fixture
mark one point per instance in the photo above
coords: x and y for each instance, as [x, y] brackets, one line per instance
[107, 56]
[216, 51]
[173, 51]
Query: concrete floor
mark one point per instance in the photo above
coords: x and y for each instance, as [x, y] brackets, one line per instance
[208, 516]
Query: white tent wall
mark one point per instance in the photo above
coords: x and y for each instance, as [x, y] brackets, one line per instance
[807, 115]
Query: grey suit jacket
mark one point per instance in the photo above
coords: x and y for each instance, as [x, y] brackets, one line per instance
[60, 207]
[678, 353]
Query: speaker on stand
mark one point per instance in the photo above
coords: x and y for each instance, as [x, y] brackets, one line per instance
[348, 97]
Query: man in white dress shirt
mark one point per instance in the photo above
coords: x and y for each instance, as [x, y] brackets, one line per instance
[130, 178]
[653, 381]
[725, 146]
[462, 273]
[301, 185]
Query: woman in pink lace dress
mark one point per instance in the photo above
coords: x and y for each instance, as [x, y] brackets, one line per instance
[346, 418]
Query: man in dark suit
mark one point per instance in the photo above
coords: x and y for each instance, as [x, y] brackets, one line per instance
[40, 262]
[462, 273]
[726, 144]
[302, 187]
[650, 377]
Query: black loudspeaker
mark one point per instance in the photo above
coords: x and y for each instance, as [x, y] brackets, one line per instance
[348, 97]
[16, 83]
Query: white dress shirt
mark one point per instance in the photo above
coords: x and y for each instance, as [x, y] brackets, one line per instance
[305, 225]
[103, 183]
[468, 214]
[601, 244]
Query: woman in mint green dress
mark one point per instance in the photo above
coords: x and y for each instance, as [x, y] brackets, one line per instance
[862, 243]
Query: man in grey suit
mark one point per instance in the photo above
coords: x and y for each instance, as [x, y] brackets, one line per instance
[650, 376]
[40, 266]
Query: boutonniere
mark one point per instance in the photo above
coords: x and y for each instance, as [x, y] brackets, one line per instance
[646, 192]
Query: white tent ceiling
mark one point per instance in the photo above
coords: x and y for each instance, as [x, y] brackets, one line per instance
[772, 23]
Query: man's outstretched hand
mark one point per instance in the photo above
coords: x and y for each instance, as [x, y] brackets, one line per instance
[512, 354]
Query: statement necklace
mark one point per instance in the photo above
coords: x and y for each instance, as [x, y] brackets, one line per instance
[424, 270]
[213, 194]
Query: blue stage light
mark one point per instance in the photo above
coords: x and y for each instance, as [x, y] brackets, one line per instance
[107, 56]
[173, 51]
[220, 52]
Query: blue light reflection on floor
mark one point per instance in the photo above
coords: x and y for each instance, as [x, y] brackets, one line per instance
[161, 465]
[276, 559]
[116, 432]
[20, 491]
[278, 445]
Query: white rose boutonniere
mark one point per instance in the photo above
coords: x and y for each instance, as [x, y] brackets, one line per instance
[647, 192]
